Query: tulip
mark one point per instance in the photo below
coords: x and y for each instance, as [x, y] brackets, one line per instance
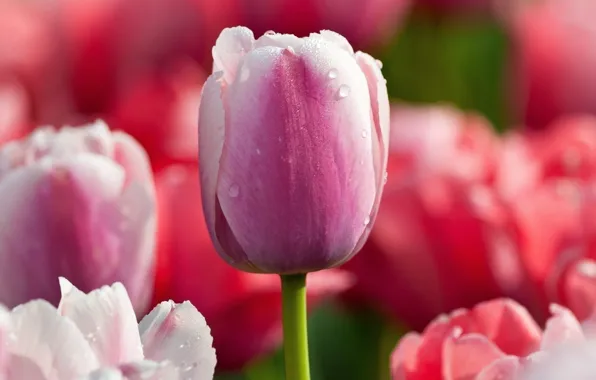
[292, 146]
[496, 340]
[240, 307]
[95, 336]
[77, 202]
[456, 6]
[554, 52]
[429, 251]
[15, 110]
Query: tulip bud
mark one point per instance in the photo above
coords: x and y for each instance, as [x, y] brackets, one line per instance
[293, 149]
[78, 202]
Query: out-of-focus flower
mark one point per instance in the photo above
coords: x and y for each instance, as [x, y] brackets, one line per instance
[456, 7]
[240, 306]
[555, 45]
[496, 340]
[429, 251]
[293, 148]
[95, 336]
[161, 113]
[363, 23]
[15, 112]
[78, 202]
[111, 44]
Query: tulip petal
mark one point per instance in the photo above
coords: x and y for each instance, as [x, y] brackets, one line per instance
[465, 356]
[379, 100]
[178, 333]
[337, 39]
[148, 370]
[505, 368]
[561, 328]
[133, 158]
[508, 325]
[51, 341]
[298, 143]
[107, 320]
[231, 45]
[403, 358]
[280, 40]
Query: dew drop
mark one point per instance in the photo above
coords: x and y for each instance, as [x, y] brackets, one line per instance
[332, 74]
[367, 220]
[291, 50]
[258, 151]
[343, 92]
[385, 177]
[234, 191]
[269, 33]
[364, 133]
[379, 63]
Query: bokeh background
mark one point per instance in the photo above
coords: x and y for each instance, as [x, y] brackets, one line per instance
[491, 177]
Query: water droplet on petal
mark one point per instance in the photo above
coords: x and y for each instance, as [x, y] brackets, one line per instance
[385, 177]
[234, 191]
[379, 63]
[269, 33]
[258, 151]
[332, 74]
[364, 133]
[291, 50]
[343, 92]
[367, 220]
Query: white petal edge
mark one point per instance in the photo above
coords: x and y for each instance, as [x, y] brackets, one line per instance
[231, 45]
[106, 319]
[52, 342]
[178, 333]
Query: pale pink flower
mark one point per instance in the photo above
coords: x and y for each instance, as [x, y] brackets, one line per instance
[95, 336]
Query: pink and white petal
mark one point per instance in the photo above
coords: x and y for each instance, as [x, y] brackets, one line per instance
[52, 342]
[403, 358]
[211, 142]
[178, 333]
[231, 45]
[336, 38]
[561, 328]
[465, 356]
[23, 368]
[107, 320]
[505, 368]
[279, 40]
[133, 158]
[104, 374]
[149, 370]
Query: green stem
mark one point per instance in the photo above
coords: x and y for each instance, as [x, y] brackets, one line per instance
[293, 289]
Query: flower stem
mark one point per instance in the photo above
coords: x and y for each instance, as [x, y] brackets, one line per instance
[293, 289]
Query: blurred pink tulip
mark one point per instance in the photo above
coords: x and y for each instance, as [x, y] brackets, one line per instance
[240, 306]
[15, 111]
[293, 148]
[161, 113]
[76, 202]
[457, 7]
[363, 22]
[555, 51]
[496, 340]
[430, 250]
[96, 336]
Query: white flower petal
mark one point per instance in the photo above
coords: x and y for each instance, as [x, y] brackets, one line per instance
[49, 340]
[107, 320]
[179, 333]
[231, 45]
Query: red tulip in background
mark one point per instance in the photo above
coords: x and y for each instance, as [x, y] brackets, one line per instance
[429, 250]
[496, 340]
[243, 310]
[456, 7]
[362, 22]
[555, 52]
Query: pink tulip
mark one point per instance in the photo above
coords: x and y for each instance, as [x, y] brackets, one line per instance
[430, 250]
[456, 6]
[496, 340]
[240, 307]
[555, 51]
[292, 144]
[96, 336]
[77, 202]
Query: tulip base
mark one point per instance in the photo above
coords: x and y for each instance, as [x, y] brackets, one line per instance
[293, 289]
